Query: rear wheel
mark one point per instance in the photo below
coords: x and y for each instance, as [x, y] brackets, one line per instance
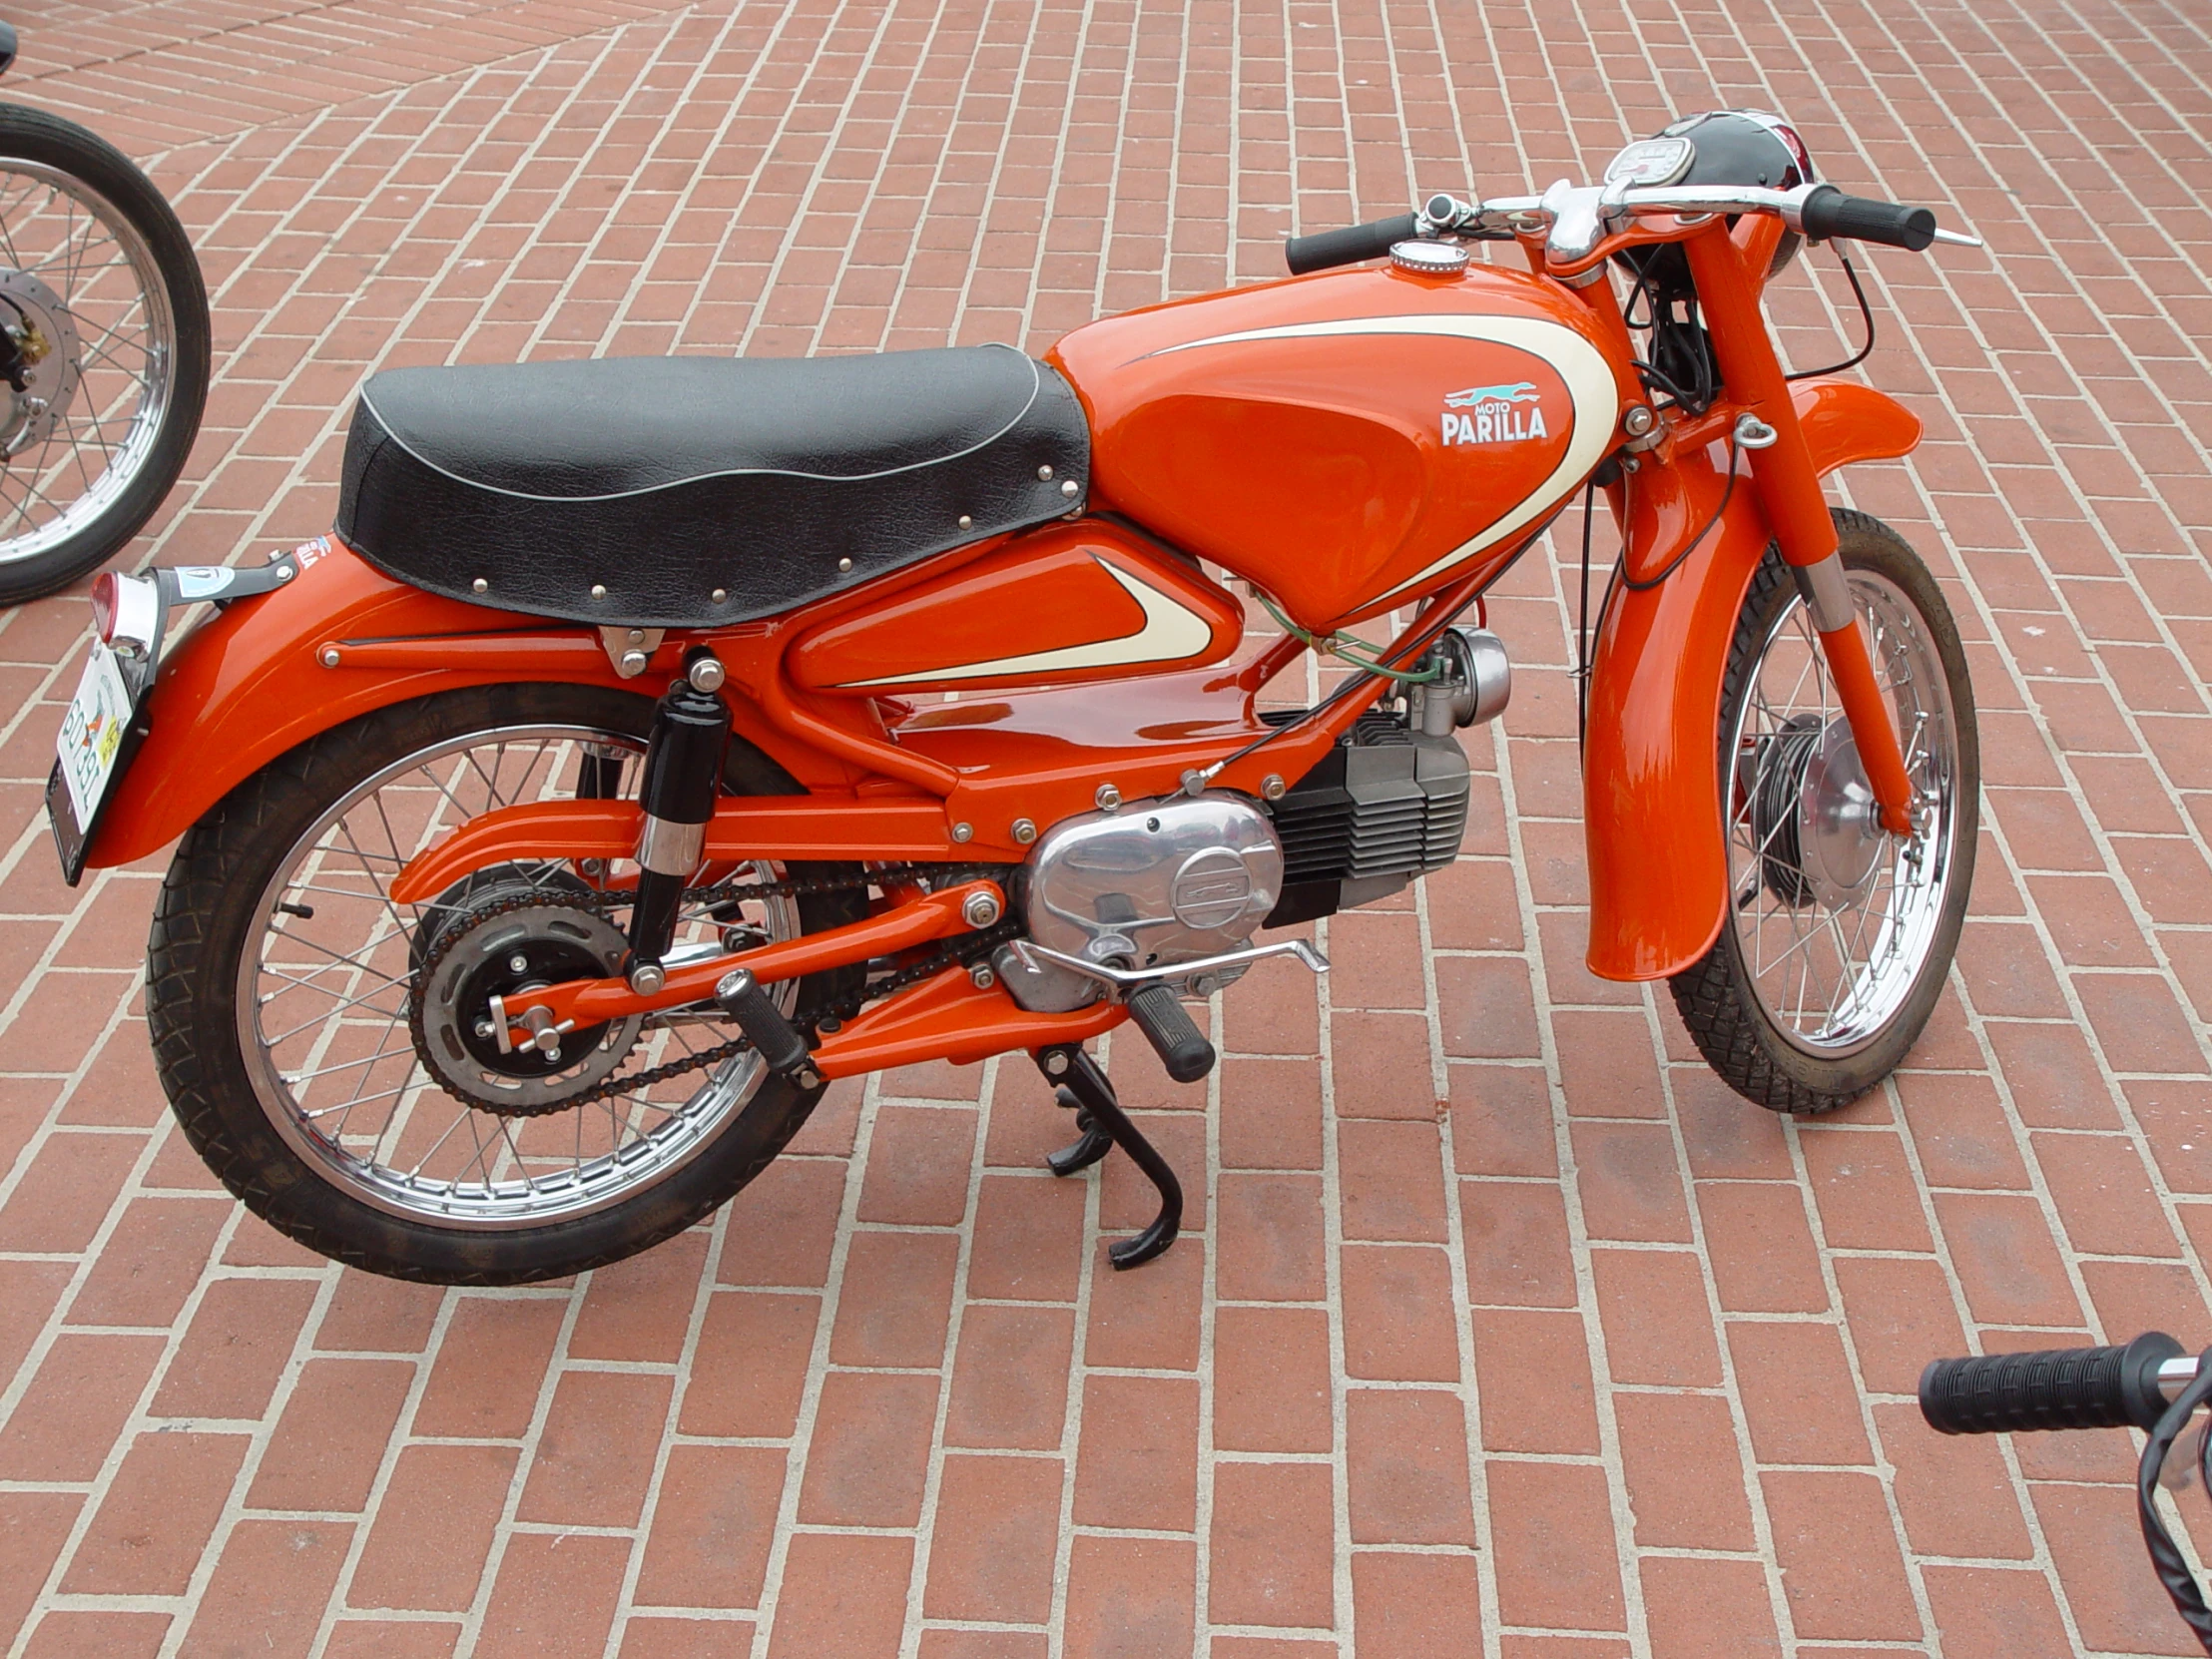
[325, 1050]
[1839, 934]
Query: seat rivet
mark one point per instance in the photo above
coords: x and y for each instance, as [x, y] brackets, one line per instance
[598, 590]
[1070, 488]
[966, 523]
[845, 564]
[480, 585]
[1044, 474]
[329, 655]
[1025, 831]
[962, 831]
[720, 595]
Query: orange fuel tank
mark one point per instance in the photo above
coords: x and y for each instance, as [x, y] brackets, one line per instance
[1351, 441]
[1068, 602]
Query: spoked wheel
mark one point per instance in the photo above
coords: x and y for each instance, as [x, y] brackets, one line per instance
[1839, 933]
[329, 1051]
[104, 351]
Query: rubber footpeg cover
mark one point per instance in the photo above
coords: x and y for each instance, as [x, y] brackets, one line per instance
[1159, 1014]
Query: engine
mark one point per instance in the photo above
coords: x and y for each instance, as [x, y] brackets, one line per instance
[1148, 885]
[1157, 883]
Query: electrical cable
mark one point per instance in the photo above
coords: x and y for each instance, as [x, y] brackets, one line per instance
[2173, 1570]
[1865, 316]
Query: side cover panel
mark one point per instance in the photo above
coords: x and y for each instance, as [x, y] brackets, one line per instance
[1651, 794]
[1351, 441]
[1066, 603]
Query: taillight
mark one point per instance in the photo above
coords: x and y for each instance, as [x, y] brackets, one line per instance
[107, 605]
[126, 613]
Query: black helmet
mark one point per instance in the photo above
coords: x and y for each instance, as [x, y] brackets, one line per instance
[1726, 147]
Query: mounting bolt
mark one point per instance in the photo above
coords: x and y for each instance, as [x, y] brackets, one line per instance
[518, 964]
[1057, 1063]
[980, 975]
[1272, 787]
[1025, 831]
[1108, 799]
[1638, 420]
[979, 909]
[633, 663]
[705, 672]
[647, 978]
[485, 1030]
[329, 658]
[962, 832]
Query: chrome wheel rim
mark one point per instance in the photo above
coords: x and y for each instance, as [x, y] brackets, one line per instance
[322, 1015]
[117, 346]
[1835, 920]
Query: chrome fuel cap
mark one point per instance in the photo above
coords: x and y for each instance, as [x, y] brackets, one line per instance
[1430, 259]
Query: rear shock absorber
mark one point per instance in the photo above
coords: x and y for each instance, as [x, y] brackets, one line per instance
[683, 773]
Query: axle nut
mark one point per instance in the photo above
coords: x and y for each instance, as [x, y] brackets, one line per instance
[980, 910]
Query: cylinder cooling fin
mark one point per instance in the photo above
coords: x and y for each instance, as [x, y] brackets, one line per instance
[1380, 809]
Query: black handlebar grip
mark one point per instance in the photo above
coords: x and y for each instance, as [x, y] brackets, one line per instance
[1348, 247]
[1158, 1016]
[1827, 211]
[2068, 1387]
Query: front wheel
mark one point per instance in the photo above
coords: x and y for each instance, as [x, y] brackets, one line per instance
[1839, 934]
[104, 351]
[327, 1052]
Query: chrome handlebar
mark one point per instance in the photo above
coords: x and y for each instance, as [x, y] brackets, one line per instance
[1576, 218]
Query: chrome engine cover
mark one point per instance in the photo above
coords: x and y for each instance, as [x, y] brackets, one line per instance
[1152, 884]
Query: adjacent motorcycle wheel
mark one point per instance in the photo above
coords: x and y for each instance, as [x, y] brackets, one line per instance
[1839, 934]
[104, 351]
[326, 1049]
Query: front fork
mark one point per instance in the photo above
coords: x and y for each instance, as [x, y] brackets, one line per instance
[1789, 489]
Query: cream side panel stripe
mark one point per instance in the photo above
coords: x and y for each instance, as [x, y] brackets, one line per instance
[1589, 382]
[1170, 633]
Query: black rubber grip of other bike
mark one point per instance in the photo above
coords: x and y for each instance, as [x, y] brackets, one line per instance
[747, 1001]
[1348, 247]
[2068, 1387]
[1827, 211]
[1158, 1016]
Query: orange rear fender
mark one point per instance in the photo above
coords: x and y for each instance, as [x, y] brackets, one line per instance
[261, 678]
[1651, 795]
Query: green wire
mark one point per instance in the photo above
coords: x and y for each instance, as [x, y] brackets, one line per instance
[1338, 645]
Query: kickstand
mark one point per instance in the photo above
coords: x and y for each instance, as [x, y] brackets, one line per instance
[1105, 1126]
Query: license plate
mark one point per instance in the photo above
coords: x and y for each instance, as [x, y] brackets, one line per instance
[98, 738]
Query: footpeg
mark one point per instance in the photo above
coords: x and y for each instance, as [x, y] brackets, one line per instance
[1088, 1089]
[1159, 1014]
[779, 1042]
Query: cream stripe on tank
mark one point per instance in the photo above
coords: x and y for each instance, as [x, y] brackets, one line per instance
[1580, 364]
[1170, 633]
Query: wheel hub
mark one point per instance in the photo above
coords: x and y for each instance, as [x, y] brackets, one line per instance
[45, 361]
[1817, 825]
[506, 937]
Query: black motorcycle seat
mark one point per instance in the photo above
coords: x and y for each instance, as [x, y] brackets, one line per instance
[669, 492]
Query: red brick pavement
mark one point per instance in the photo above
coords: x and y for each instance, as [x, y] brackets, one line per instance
[1499, 1328]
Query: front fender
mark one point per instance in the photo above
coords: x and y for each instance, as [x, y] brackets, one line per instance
[1651, 795]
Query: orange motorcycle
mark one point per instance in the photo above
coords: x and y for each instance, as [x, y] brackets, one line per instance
[656, 739]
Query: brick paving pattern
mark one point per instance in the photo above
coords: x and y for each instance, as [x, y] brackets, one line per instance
[1499, 1326]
